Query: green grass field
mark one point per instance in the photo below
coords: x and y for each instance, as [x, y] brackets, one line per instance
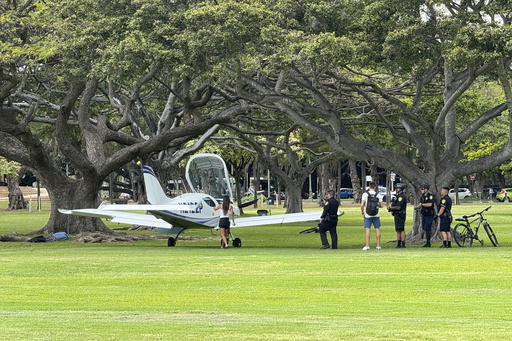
[278, 286]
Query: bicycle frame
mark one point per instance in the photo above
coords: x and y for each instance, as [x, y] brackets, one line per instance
[464, 235]
[480, 219]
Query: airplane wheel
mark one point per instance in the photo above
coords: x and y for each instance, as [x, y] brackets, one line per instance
[237, 242]
[171, 241]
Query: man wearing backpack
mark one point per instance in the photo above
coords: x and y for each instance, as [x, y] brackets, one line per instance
[370, 204]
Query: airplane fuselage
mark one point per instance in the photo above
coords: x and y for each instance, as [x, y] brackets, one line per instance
[203, 214]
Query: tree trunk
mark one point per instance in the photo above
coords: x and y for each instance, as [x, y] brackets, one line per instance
[320, 187]
[278, 193]
[374, 174]
[328, 175]
[293, 196]
[137, 182]
[478, 186]
[16, 200]
[338, 183]
[356, 181]
[256, 173]
[237, 174]
[72, 194]
[416, 235]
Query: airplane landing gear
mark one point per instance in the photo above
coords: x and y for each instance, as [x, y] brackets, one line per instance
[237, 242]
[172, 241]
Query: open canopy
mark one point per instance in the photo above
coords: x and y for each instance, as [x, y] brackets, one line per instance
[207, 173]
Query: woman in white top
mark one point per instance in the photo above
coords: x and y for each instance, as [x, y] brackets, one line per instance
[225, 213]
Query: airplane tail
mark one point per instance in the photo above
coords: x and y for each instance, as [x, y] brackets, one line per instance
[154, 191]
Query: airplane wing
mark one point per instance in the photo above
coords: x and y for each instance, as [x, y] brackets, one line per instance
[281, 218]
[278, 219]
[120, 217]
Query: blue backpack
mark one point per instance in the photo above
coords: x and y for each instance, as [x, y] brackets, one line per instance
[59, 236]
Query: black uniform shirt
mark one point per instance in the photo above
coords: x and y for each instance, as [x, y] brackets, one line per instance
[401, 201]
[446, 202]
[330, 208]
[426, 199]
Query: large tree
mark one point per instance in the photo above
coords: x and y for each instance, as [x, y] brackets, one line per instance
[102, 76]
[359, 74]
[285, 153]
[401, 68]
[12, 172]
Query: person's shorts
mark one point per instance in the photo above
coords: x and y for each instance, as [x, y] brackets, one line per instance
[224, 223]
[400, 225]
[426, 222]
[368, 222]
[444, 226]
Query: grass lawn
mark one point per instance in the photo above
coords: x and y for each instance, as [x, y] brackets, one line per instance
[278, 286]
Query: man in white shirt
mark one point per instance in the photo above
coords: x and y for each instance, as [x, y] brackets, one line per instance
[370, 204]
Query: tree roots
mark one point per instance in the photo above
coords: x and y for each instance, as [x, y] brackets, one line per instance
[13, 237]
[98, 237]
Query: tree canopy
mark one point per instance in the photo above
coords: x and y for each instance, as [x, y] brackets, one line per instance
[388, 82]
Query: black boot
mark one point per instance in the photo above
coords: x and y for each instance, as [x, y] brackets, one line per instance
[449, 244]
[399, 244]
[403, 244]
[444, 245]
[427, 244]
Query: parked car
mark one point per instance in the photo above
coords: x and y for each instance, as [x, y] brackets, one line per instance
[490, 192]
[305, 195]
[383, 192]
[346, 193]
[463, 193]
[504, 195]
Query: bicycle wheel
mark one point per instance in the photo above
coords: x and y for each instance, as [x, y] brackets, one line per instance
[490, 233]
[463, 235]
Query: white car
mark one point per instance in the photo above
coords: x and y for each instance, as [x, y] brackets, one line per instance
[383, 192]
[463, 193]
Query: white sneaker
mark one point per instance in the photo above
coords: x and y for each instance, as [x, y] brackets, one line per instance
[378, 248]
[366, 248]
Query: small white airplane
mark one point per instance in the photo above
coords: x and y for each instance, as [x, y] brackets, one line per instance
[207, 175]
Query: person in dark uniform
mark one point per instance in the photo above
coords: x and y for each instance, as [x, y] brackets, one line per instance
[328, 221]
[426, 207]
[445, 217]
[398, 209]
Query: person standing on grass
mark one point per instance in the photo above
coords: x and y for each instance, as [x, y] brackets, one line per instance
[445, 217]
[399, 209]
[329, 221]
[426, 207]
[224, 225]
[370, 204]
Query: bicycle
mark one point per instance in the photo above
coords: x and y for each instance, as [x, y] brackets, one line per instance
[463, 233]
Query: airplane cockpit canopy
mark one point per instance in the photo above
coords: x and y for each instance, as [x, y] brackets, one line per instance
[209, 201]
[207, 173]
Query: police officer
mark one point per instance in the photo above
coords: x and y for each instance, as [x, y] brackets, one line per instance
[445, 217]
[398, 209]
[328, 221]
[426, 207]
